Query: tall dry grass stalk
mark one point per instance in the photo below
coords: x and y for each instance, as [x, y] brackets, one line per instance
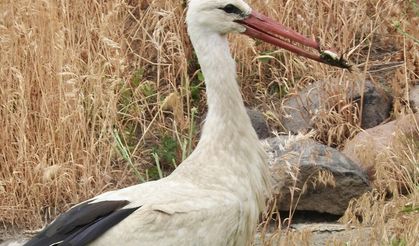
[73, 71]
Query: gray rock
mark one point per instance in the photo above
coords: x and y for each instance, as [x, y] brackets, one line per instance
[414, 98]
[313, 176]
[377, 105]
[367, 146]
[319, 234]
[300, 108]
[259, 123]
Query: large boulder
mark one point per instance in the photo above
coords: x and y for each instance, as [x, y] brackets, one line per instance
[414, 98]
[302, 107]
[313, 177]
[259, 123]
[367, 146]
[376, 106]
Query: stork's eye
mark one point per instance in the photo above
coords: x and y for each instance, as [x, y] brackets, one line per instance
[231, 9]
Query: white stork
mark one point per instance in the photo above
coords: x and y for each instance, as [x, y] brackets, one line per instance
[216, 195]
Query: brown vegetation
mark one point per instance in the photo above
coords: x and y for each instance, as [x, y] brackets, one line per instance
[75, 74]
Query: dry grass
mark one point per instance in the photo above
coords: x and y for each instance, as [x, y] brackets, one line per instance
[391, 209]
[73, 71]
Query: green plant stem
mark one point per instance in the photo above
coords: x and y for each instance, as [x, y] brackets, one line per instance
[126, 154]
[157, 160]
[191, 129]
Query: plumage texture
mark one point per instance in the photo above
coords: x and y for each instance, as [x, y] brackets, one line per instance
[216, 195]
[82, 223]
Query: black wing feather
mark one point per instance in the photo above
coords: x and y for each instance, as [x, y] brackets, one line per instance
[92, 232]
[82, 224]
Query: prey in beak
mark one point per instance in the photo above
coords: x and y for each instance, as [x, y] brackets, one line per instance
[262, 27]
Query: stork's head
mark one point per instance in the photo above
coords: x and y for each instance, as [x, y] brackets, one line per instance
[226, 16]
[218, 16]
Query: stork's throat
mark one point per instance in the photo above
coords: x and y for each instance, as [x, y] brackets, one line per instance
[226, 112]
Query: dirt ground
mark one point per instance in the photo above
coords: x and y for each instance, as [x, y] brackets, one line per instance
[317, 234]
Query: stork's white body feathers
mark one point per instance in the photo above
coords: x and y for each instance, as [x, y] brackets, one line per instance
[181, 214]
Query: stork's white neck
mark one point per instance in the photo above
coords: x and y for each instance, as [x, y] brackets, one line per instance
[226, 112]
[228, 141]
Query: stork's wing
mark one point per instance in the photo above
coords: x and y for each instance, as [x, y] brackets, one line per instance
[83, 223]
[154, 213]
[183, 217]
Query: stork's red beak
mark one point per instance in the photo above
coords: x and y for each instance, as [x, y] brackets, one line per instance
[264, 28]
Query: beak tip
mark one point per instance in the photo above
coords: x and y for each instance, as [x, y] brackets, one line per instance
[331, 58]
